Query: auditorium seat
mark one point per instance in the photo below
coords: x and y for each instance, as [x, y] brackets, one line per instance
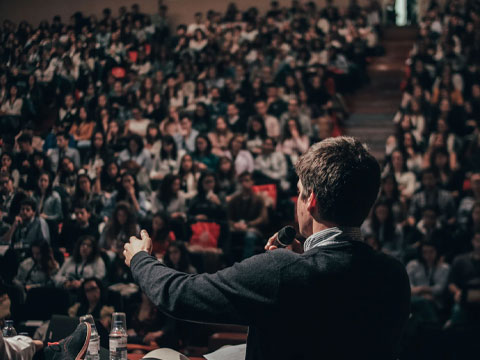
[225, 334]
[217, 340]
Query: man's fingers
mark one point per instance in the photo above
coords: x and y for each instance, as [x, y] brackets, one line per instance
[127, 249]
[133, 238]
[147, 240]
[271, 242]
[144, 235]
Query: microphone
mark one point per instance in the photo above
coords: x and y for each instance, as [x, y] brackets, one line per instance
[285, 237]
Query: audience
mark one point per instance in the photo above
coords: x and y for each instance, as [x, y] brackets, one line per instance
[430, 182]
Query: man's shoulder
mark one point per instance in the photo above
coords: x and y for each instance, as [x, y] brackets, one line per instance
[279, 258]
[356, 253]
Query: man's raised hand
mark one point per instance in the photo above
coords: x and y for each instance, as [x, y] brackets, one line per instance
[136, 245]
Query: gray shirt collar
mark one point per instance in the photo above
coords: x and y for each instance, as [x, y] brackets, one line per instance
[327, 236]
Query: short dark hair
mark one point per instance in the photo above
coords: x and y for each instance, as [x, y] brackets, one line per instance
[344, 177]
[64, 134]
[432, 208]
[429, 170]
[244, 175]
[25, 138]
[29, 202]
[79, 204]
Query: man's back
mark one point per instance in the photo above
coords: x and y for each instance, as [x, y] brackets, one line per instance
[339, 301]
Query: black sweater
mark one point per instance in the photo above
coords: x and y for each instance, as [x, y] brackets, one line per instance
[339, 301]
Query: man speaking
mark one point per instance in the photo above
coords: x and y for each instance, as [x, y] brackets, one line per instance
[334, 299]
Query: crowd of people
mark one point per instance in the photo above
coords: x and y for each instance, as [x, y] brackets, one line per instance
[428, 212]
[115, 123]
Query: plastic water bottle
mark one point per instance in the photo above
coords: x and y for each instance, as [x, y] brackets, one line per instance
[8, 330]
[93, 352]
[118, 342]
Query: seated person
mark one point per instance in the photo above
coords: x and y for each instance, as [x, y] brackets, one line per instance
[382, 226]
[465, 277]
[15, 347]
[428, 281]
[121, 225]
[63, 150]
[429, 228]
[22, 347]
[206, 205]
[49, 203]
[92, 301]
[248, 215]
[178, 258]
[161, 234]
[84, 263]
[82, 225]
[203, 157]
[171, 200]
[39, 269]
[27, 227]
[431, 195]
[271, 165]
[128, 191]
[149, 325]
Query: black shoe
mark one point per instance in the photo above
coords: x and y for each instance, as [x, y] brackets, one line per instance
[73, 347]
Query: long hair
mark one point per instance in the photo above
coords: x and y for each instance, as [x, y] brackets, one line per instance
[163, 234]
[286, 129]
[208, 150]
[181, 172]
[152, 139]
[440, 151]
[165, 194]
[105, 180]
[404, 158]
[138, 139]
[113, 227]
[168, 139]
[396, 191]
[82, 298]
[471, 224]
[47, 262]
[389, 224]
[184, 261]
[230, 175]
[79, 194]
[420, 252]
[205, 174]
[263, 131]
[49, 190]
[77, 119]
[122, 193]
[103, 151]
[95, 249]
[10, 155]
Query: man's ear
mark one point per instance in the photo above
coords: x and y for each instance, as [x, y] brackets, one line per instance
[312, 203]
